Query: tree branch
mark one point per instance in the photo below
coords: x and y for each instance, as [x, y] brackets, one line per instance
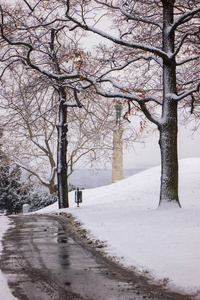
[128, 15]
[186, 93]
[184, 18]
[119, 41]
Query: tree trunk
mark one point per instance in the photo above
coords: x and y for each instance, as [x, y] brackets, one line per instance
[62, 152]
[169, 158]
[168, 127]
[52, 188]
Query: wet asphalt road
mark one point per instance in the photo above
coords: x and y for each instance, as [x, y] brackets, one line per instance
[42, 261]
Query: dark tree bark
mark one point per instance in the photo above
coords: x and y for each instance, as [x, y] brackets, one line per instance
[169, 157]
[62, 152]
[168, 129]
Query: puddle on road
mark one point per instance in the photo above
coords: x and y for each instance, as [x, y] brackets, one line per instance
[80, 273]
[77, 270]
[43, 262]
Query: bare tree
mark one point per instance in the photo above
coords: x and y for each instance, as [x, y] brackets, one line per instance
[151, 44]
[191, 109]
[32, 34]
[29, 120]
[29, 117]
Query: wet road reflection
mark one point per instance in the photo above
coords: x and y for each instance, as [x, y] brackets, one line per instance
[42, 261]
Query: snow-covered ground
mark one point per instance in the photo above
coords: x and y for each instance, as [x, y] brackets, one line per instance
[5, 292]
[162, 243]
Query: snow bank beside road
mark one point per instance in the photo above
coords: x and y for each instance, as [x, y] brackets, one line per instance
[5, 291]
[162, 243]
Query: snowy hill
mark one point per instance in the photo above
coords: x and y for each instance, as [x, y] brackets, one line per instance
[165, 244]
[89, 178]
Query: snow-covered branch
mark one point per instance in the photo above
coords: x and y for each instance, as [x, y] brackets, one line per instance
[178, 48]
[187, 60]
[187, 16]
[128, 15]
[127, 63]
[186, 93]
[149, 115]
[27, 60]
[123, 92]
[120, 41]
[29, 49]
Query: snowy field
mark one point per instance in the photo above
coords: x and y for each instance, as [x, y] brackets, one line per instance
[161, 243]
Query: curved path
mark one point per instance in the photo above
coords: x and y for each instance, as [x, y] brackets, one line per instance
[42, 261]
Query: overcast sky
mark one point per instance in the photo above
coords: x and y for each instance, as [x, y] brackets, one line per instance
[149, 154]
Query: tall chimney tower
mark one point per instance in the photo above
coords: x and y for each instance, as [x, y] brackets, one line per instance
[117, 161]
